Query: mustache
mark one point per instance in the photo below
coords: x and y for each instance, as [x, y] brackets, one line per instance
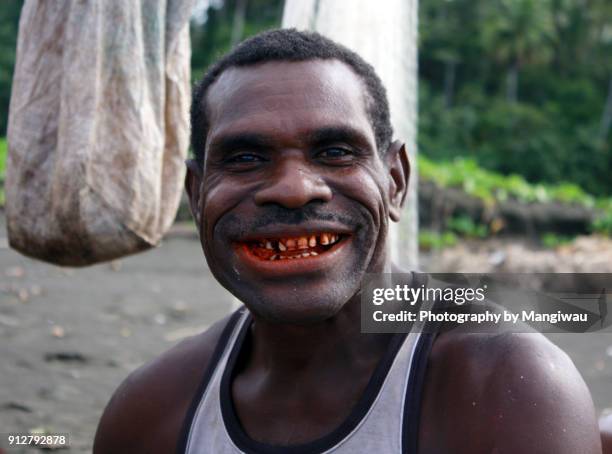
[234, 225]
[282, 215]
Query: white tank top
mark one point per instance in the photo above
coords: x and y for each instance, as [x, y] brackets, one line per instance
[384, 421]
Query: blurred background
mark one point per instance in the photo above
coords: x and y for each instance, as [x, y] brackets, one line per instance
[515, 175]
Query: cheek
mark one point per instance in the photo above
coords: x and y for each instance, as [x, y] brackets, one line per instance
[366, 188]
[219, 198]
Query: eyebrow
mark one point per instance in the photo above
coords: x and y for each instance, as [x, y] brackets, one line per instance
[241, 140]
[341, 133]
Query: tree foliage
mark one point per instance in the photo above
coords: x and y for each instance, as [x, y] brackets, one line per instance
[227, 22]
[9, 24]
[531, 89]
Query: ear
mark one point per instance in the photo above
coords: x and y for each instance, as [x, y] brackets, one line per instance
[193, 181]
[398, 166]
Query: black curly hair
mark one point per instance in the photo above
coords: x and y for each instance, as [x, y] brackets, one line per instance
[291, 45]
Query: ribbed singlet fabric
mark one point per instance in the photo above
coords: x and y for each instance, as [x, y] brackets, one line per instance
[384, 421]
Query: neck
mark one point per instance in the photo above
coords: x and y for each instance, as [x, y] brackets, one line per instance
[337, 343]
[334, 343]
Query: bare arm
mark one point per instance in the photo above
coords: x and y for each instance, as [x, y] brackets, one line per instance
[540, 403]
[147, 411]
[505, 393]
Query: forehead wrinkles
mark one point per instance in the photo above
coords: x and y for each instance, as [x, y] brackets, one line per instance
[328, 86]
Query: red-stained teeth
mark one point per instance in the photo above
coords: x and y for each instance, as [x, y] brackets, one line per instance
[294, 248]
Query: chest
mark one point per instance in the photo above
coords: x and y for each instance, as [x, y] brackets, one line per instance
[375, 411]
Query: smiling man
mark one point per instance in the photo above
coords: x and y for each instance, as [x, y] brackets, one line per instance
[295, 180]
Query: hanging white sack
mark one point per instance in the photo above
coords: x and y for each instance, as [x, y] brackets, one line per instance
[98, 127]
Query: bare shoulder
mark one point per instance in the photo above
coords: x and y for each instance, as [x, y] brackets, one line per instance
[146, 412]
[507, 393]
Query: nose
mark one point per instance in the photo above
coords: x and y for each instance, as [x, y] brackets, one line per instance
[293, 185]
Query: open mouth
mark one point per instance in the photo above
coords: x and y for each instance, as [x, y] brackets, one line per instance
[294, 248]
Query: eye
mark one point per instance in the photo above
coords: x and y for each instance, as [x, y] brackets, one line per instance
[244, 158]
[243, 162]
[335, 154]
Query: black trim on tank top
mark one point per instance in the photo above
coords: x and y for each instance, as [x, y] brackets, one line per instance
[245, 443]
[416, 381]
[414, 393]
[210, 369]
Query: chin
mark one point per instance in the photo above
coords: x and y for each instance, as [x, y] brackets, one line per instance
[298, 306]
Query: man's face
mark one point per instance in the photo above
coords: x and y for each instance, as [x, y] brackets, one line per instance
[293, 200]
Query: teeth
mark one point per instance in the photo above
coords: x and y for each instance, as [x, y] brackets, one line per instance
[305, 254]
[298, 243]
[303, 242]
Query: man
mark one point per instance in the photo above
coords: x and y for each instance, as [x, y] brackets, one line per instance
[293, 186]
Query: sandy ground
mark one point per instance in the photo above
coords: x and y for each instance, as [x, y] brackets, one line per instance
[69, 336]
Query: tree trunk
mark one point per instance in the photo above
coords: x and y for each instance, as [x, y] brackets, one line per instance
[449, 82]
[385, 35]
[512, 83]
[238, 22]
[606, 117]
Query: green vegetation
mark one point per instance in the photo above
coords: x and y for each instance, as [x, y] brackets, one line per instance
[3, 149]
[466, 227]
[493, 187]
[552, 241]
[224, 23]
[429, 240]
[520, 87]
[603, 224]
[9, 22]
[456, 227]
